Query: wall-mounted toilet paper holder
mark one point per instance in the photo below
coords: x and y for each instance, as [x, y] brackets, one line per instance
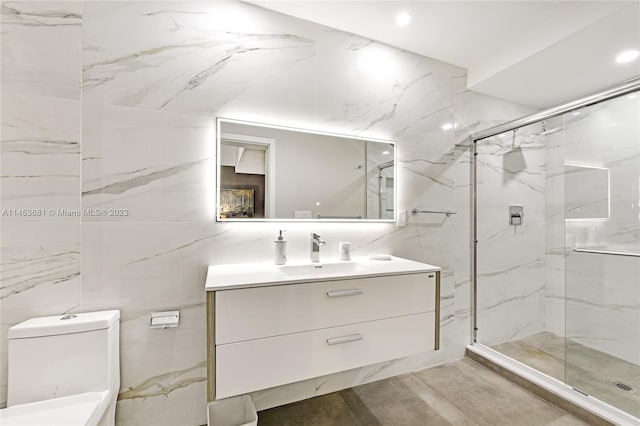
[166, 319]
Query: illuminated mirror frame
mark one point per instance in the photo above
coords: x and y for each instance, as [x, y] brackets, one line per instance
[270, 190]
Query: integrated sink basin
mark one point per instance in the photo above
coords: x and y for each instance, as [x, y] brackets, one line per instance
[241, 275]
[317, 269]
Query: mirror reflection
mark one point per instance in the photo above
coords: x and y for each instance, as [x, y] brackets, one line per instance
[268, 172]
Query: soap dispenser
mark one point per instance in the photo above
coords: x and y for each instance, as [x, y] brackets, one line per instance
[280, 250]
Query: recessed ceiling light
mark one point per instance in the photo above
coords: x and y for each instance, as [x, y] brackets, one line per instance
[576, 113]
[385, 152]
[627, 56]
[448, 126]
[633, 96]
[403, 19]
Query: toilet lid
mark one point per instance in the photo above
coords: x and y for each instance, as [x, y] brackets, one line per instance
[76, 410]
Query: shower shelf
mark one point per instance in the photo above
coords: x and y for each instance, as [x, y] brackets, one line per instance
[609, 252]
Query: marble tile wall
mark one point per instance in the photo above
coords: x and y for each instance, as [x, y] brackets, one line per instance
[480, 112]
[40, 165]
[602, 294]
[41, 48]
[591, 299]
[511, 259]
[125, 116]
[603, 304]
[555, 230]
[606, 135]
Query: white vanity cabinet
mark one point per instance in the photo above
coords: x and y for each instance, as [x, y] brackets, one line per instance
[279, 331]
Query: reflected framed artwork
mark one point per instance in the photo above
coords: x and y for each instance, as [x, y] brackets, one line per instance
[239, 202]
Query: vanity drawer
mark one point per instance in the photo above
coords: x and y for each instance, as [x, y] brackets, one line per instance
[253, 313]
[260, 364]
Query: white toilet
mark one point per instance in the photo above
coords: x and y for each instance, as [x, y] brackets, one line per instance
[64, 370]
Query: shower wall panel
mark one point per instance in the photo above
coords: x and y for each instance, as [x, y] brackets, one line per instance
[511, 259]
[603, 290]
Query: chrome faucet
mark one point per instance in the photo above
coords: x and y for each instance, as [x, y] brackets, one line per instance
[316, 242]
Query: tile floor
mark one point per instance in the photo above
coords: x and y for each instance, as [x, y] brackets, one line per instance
[589, 370]
[459, 393]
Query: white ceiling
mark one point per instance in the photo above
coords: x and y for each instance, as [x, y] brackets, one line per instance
[537, 53]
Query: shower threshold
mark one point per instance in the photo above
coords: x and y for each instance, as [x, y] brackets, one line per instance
[576, 402]
[589, 370]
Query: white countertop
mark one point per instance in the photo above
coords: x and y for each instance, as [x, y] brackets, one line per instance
[240, 275]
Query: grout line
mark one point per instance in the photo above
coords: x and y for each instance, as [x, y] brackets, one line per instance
[358, 408]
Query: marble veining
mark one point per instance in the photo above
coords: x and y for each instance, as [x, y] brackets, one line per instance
[498, 304]
[23, 274]
[599, 286]
[535, 263]
[392, 104]
[35, 146]
[164, 384]
[385, 97]
[14, 15]
[511, 260]
[378, 370]
[172, 183]
[180, 247]
[40, 270]
[41, 47]
[144, 179]
[133, 92]
[185, 58]
[438, 181]
[39, 155]
[515, 176]
[445, 161]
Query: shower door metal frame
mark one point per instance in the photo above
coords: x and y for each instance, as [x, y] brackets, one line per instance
[620, 90]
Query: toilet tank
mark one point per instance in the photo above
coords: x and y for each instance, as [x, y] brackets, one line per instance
[52, 357]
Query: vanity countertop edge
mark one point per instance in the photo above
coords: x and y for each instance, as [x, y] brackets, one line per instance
[262, 274]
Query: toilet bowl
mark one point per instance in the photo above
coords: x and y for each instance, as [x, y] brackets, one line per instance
[63, 370]
[83, 409]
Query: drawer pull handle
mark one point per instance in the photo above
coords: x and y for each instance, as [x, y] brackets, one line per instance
[344, 293]
[344, 339]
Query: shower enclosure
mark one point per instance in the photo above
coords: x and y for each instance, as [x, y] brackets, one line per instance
[557, 288]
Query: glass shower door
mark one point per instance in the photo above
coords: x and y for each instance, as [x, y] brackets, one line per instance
[602, 251]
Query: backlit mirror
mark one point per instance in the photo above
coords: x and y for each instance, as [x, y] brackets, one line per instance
[268, 172]
[586, 192]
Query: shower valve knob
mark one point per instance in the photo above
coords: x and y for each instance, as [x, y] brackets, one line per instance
[516, 214]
